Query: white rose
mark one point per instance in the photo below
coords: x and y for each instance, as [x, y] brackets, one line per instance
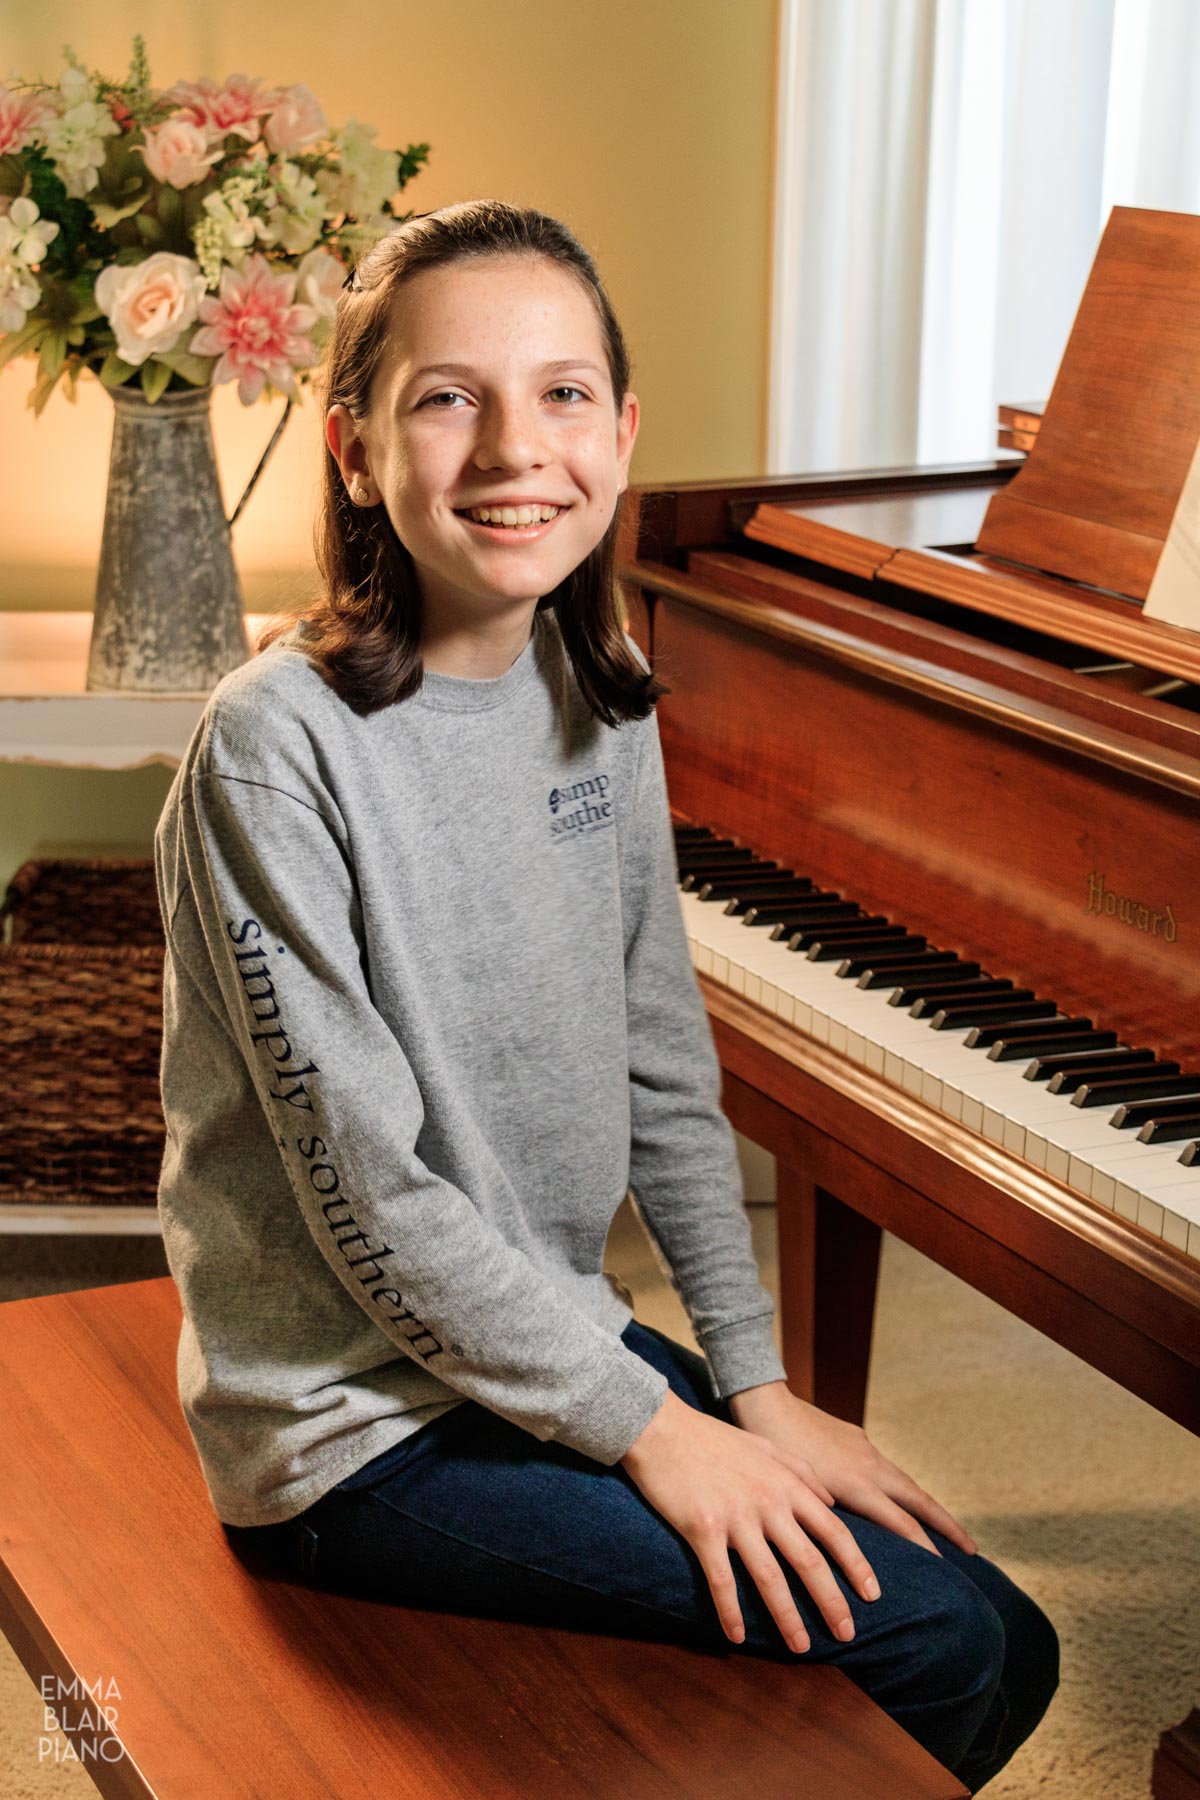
[177, 152]
[150, 304]
[297, 121]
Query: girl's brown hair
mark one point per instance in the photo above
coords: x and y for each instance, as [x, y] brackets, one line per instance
[364, 632]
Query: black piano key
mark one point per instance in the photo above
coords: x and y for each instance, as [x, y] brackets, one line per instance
[1111, 1091]
[767, 893]
[699, 873]
[1139, 1112]
[1189, 1156]
[893, 967]
[1046, 1066]
[715, 856]
[849, 931]
[714, 846]
[782, 929]
[794, 909]
[957, 975]
[827, 946]
[689, 834]
[711, 868]
[1009, 1049]
[701, 857]
[986, 988]
[1136, 1062]
[884, 973]
[898, 950]
[745, 881]
[786, 919]
[1168, 1130]
[969, 1012]
[984, 1037]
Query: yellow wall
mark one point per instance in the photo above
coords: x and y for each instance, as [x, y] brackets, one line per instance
[645, 124]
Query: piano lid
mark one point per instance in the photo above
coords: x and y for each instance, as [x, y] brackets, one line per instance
[923, 542]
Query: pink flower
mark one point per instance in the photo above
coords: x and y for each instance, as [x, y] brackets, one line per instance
[256, 330]
[177, 152]
[222, 109]
[20, 117]
[297, 121]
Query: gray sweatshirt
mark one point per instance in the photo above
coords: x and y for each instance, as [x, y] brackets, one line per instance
[428, 1011]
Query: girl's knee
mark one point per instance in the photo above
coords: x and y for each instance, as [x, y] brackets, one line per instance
[965, 1640]
[1034, 1648]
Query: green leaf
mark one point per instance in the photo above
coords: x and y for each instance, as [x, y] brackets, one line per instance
[19, 343]
[39, 394]
[57, 302]
[12, 176]
[108, 213]
[194, 369]
[170, 207]
[154, 378]
[114, 371]
[53, 353]
[192, 206]
[151, 231]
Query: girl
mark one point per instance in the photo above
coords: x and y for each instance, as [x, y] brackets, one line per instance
[429, 1011]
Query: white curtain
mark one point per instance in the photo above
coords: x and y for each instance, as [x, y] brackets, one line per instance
[945, 169]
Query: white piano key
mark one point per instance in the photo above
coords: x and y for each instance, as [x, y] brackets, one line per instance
[1076, 1145]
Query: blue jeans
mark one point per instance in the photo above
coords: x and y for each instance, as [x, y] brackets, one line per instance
[472, 1514]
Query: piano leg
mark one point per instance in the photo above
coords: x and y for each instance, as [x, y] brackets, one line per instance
[828, 1266]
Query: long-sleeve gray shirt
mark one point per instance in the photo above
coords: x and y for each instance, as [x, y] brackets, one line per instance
[428, 1012]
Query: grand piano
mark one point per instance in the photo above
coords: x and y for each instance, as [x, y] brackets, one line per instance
[925, 854]
[935, 777]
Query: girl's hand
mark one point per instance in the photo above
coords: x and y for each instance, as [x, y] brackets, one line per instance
[722, 1487]
[842, 1458]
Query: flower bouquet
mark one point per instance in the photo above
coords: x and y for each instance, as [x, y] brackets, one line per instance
[190, 237]
[168, 242]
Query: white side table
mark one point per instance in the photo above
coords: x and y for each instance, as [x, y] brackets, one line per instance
[47, 717]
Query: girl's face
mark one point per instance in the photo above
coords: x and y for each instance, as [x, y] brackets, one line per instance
[493, 391]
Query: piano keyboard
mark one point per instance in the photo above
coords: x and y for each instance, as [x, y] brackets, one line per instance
[1113, 1122]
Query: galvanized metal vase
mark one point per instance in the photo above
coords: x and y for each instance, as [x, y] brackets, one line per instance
[169, 610]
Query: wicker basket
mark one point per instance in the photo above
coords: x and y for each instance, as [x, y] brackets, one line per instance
[64, 900]
[81, 1036]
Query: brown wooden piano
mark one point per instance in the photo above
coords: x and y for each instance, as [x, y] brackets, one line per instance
[1011, 806]
[923, 798]
[936, 783]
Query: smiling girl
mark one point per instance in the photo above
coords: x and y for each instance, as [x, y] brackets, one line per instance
[429, 1013]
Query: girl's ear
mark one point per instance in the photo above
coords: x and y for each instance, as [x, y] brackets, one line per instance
[627, 430]
[346, 446]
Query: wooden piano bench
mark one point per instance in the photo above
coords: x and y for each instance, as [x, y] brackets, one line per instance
[174, 1671]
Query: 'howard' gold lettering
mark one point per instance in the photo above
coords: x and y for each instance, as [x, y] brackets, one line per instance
[1101, 899]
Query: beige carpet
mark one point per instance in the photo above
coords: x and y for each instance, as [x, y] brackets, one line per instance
[1084, 1495]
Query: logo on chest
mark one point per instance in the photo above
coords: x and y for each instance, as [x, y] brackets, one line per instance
[580, 807]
